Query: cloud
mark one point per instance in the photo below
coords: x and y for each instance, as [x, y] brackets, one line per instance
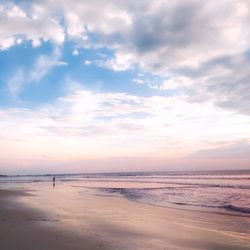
[88, 125]
[7, 43]
[16, 82]
[168, 39]
[44, 64]
[200, 48]
[87, 62]
[224, 82]
[75, 52]
[159, 36]
[162, 35]
[121, 62]
[175, 82]
[36, 43]
[235, 150]
[16, 23]
[138, 81]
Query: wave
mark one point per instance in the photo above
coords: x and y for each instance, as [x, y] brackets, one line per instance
[228, 207]
[137, 194]
[129, 193]
[244, 210]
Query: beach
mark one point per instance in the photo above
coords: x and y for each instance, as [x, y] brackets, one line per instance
[124, 125]
[40, 216]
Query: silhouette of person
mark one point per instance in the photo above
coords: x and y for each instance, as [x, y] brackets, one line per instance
[54, 181]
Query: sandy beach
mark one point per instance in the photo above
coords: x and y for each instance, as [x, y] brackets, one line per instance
[38, 216]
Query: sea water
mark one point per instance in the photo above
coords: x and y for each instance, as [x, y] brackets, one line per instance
[217, 191]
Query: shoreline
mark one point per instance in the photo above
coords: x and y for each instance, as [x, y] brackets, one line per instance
[80, 218]
[185, 208]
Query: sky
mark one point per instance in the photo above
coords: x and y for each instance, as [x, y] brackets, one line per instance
[111, 86]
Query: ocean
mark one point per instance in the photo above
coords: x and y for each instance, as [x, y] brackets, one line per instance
[215, 191]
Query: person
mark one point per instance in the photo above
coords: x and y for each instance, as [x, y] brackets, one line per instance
[54, 181]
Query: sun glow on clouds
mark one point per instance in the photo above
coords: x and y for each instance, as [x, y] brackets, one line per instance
[87, 125]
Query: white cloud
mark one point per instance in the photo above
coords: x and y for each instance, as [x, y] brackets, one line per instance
[75, 26]
[7, 43]
[135, 26]
[15, 11]
[15, 22]
[75, 124]
[36, 43]
[16, 82]
[75, 52]
[138, 81]
[160, 35]
[19, 41]
[121, 62]
[190, 40]
[44, 64]
[176, 81]
[87, 62]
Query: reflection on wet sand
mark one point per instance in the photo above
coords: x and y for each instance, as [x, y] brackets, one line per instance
[75, 218]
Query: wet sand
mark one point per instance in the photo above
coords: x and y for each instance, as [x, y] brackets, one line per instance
[38, 216]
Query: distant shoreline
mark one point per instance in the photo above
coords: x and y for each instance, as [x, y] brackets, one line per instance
[242, 171]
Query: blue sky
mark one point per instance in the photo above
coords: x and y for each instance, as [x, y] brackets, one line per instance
[78, 68]
[159, 85]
